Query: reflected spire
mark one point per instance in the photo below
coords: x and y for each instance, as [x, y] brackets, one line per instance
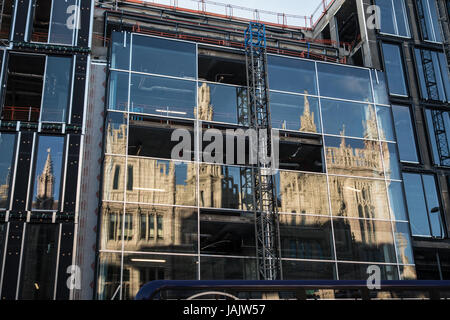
[307, 119]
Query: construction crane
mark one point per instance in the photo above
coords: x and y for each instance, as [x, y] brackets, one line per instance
[263, 180]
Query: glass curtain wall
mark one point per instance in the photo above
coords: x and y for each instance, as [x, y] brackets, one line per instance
[158, 212]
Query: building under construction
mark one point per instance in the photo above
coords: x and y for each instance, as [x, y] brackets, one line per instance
[354, 103]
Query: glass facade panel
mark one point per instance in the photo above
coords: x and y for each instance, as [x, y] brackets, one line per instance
[353, 157]
[408, 273]
[7, 152]
[379, 87]
[397, 201]
[60, 19]
[162, 96]
[109, 273]
[385, 123]
[227, 233]
[308, 270]
[224, 268]
[295, 112]
[57, 84]
[39, 262]
[120, 50]
[3, 228]
[306, 237]
[302, 193]
[292, 75]
[114, 178]
[432, 69]
[434, 207]
[349, 119]
[118, 91]
[364, 240]
[439, 138]
[393, 17]
[48, 172]
[164, 57]
[342, 82]
[112, 225]
[220, 103]
[429, 20]
[358, 198]
[405, 134]
[161, 182]
[353, 271]
[391, 161]
[394, 69]
[403, 242]
[116, 133]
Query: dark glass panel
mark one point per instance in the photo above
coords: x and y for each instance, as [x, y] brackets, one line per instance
[120, 50]
[217, 268]
[48, 172]
[434, 208]
[405, 134]
[438, 140]
[118, 91]
[306, 237]
[39, 262]
[356, 271]
[394, 69]
[7, 152]
[109, 273]
[7, 19]
[308, 270]
[417, 208]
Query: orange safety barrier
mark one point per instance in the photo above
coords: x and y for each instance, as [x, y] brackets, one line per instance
[14, 113]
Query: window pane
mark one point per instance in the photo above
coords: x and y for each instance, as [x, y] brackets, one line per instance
[404, 246]
[213, 268]
[405, 134]
[177, 227]
[344, 82]
[380, 87]
[162, 96]
[401, 18]
[359, 198]
[57, 89]
[163, 182]
[227, 233]
[391, 161]
[302, 193]
[220, 102]
[3, 227]
[387, 16]
[48, 170]
[443, 136]
[394, 69]
[397, 201]
[111, 223]
[118, 91]
[109, 276]
[305, 237]
[113, 178]
[434, 208]
[7, 19]
[431, 68]
[165, 57]
[294, 112]
[59, 31]
[349, 119]
[351, 271]
[116, 133]
[364, 240]
[7, 152]
[353, 157]
[292, 75]
[416, 205]
[39, 262]
[308, 270]
[120, 50]
[385, 123]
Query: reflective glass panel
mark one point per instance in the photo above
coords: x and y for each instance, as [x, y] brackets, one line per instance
[359, 198]
[118, 91]
[111, 226]
[434, 207]
[364, 240]
[397, 201]
[295, 112]
[408, 273]
[349, 119]
[109, 276]
[162, 182]
[7, 152]
[353, 271]
[63, 22]
[432, 67]
[417, 208]
[344, 82]
[39, 262]
[220, 102]
[305, 237]
[57, 83]
[227, 233]
[120, 50]
[7, 19]
[394, 69]
[116, 133]
[217, 268]
[353, 157]
[163, 56]
[302, 193]
[429, 20]
[292, 75]
[391, 161]
[48, 171]
[438, 141]
[405, 134]
[113, 178]
[393, 17]
[3, 227]
[162, 96]
[380, 87]
[308, 270]
[161, 229]
[385, 123]
[403, 241]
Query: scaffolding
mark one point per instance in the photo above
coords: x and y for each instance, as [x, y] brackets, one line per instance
[263, 181]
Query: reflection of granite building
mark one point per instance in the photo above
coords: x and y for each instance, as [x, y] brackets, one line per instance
[45, 186]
